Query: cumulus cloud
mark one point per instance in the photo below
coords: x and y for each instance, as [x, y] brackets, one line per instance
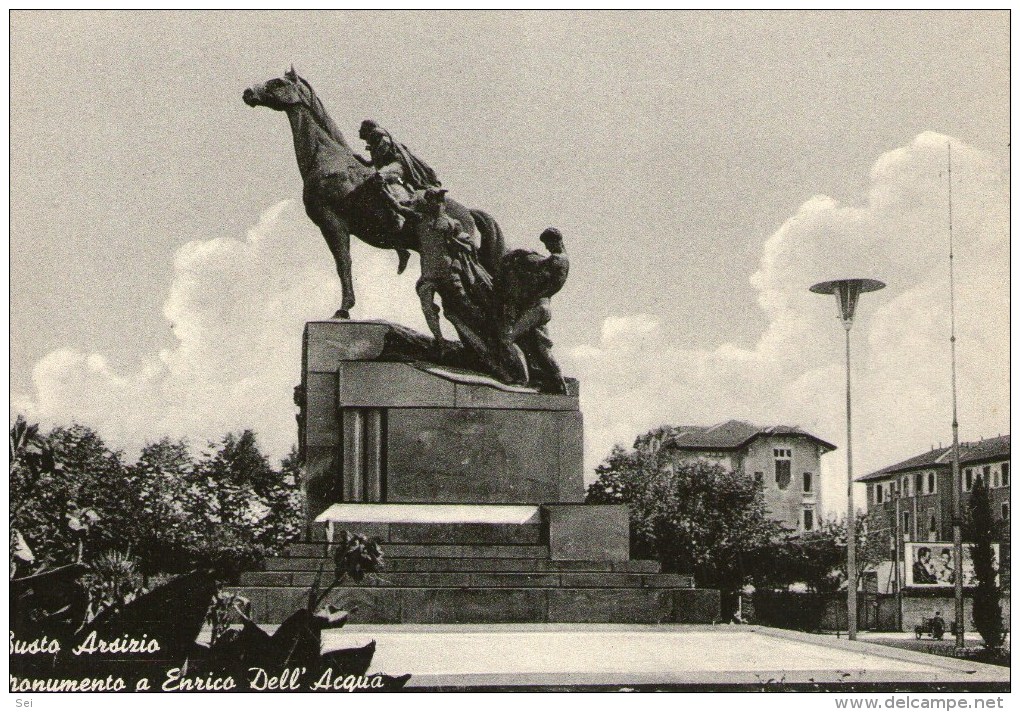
[237, 305]
[636, 377]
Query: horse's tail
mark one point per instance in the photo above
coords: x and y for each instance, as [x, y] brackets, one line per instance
[492, 246]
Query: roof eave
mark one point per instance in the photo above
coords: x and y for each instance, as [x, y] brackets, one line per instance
[829, 447]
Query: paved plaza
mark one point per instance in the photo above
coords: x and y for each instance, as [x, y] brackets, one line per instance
[622, 655]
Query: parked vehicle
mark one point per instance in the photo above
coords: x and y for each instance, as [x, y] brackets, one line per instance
[934, 627]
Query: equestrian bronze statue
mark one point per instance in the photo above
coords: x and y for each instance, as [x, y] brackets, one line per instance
[497, 302]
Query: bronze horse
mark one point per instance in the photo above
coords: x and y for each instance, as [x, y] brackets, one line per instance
[343, 196]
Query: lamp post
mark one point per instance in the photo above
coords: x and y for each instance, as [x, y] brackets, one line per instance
[848, 292]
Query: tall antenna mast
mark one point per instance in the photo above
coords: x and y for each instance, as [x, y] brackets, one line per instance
[957, 514]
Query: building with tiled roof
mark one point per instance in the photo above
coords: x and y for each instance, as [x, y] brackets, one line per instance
[785, 459]
[924, 485]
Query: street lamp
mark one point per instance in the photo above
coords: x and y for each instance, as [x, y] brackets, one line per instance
[848, 292]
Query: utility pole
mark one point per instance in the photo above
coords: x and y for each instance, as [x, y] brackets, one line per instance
[897, 549]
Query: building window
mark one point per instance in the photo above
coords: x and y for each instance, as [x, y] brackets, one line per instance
[931, 483]
[879, 491]
[807, 482]
[809, 519]
[968, 480]
[759, 480]
[986, 475]
[905, 483]
[1005, 474]
[919, 483]
[906, 526]
[1005, 510]
[933, 526]
[782, 457]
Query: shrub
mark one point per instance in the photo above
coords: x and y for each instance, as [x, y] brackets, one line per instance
[981, 531]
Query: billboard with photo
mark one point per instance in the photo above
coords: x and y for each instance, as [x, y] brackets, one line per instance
[932, 564]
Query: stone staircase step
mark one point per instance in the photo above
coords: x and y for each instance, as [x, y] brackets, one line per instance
[482, 579]
[632, 566]
[496, 605]
[310, 558]
[307, 557]
[465, 534]
[457, 551]
[518, 565]
[451, 534]
[307, 550]
[431, 533]
[404, 565]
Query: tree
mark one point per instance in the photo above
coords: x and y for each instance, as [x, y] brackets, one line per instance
[287, 499]
[981, 531]
[818, 558]
[815, 559]
[873, 546]
[692, 516]
[171, 505]
[38, 500]
[622, 477]
[96, 481]
[226, 473]
[250, 494]
[73, 498]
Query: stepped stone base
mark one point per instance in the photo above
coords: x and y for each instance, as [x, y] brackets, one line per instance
[423, 604]
[439, 572]
[473, 487]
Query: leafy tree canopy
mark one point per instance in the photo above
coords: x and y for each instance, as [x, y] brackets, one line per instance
[692, 516]
[73, 498]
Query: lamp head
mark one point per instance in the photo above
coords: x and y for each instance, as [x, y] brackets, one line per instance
[848, 292]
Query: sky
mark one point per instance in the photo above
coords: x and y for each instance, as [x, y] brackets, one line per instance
[705, 169]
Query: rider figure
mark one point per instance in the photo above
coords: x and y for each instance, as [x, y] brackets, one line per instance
[393, 161]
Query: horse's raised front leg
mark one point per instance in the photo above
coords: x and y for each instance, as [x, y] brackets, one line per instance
[338, 238]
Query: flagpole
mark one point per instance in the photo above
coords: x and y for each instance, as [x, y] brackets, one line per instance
[957, 514]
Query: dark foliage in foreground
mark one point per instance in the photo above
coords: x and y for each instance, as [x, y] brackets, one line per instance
[53, 605]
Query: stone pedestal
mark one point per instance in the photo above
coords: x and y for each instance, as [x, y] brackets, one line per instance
[378, 430]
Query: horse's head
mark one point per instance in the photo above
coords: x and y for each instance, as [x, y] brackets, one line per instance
[279, 93]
